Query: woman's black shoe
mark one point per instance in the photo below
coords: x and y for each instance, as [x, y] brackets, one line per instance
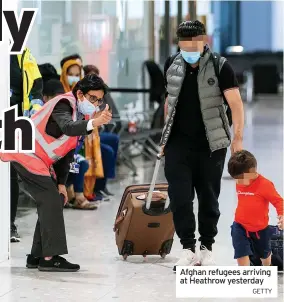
[32, 262]
[57, 264]
[107, 192]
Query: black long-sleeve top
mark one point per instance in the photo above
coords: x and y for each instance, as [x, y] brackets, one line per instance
[61, 123]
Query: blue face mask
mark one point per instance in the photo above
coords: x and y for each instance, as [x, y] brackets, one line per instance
[190, 57]
[73, 79]
[86, 108]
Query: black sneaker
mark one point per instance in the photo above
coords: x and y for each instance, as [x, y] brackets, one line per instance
[57, 264]
[32, 262]
[104, 195]
[107, 192]
[14, 236]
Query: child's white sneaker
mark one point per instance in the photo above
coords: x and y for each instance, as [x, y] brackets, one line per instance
[188, 258]
[206, 257]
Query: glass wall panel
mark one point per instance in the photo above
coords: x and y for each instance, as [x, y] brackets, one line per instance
[113, 35]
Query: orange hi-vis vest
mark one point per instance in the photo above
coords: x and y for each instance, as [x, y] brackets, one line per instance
[48, 149]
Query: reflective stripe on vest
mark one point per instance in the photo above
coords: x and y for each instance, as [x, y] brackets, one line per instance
[40, 120]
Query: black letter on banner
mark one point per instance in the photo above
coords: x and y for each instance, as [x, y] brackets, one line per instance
[1, 37]
[22, 141]
[0, 128]
[21, 31]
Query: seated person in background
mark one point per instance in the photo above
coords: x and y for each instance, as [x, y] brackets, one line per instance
[51, 89]
[74, 56]
[75, 183]
[71, 74]
[250, 231]
[109, 148]
[48, 72]
[89, 69]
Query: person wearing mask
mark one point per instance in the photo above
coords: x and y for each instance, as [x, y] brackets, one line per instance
[59, 125]
[51, 89]
[196, 136]
[71, 73]
[74, 56]
[26, 94]
[109, 146]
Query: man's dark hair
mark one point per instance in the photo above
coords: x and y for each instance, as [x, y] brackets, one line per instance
[91, 68]
[90, 82]
[52, 88]
[190, 29]
[241, 162]
[71, 57]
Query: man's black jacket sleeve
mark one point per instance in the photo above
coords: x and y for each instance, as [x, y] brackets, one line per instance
[62, 115]
[62, 118]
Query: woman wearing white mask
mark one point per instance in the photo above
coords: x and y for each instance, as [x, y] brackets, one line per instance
[59, 127]
[71, 73]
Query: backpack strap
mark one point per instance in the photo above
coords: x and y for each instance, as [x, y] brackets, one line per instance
[218, 63]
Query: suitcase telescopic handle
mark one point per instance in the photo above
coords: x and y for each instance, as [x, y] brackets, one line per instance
[153, 183]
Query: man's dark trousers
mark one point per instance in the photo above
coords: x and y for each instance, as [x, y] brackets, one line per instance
[14, 193]
[49, 236]
[187, 171]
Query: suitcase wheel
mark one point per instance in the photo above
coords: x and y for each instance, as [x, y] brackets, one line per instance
[145, 254]
[163, 255]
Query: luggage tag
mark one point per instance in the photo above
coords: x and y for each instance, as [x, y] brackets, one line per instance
[74, 168]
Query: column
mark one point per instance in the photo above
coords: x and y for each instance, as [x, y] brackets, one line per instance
[277, 26]
[4, 167]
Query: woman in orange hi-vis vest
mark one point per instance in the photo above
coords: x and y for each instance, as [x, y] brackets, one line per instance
[59, 126]
[70, 75]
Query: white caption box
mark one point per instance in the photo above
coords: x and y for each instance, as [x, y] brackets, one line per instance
[226, 282]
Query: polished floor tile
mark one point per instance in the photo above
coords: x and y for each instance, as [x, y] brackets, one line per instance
[104, 276]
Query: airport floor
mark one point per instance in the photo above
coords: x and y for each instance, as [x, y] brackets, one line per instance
[104, 276]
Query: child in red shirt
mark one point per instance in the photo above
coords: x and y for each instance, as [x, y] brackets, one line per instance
[250, 231]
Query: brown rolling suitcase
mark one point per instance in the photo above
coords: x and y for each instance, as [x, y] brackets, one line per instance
[144, 223]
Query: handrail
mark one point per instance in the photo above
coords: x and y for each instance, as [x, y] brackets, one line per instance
[130, 90]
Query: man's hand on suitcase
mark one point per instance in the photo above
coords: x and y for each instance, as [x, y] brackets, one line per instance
[62, 190]
[162, 151]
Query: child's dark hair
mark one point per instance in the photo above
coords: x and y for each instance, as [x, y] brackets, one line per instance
[241, 162]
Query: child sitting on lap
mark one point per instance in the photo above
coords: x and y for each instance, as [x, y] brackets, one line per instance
[250, 231]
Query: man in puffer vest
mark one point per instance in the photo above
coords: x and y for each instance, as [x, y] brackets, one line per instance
[196, 136]
[58, 126]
